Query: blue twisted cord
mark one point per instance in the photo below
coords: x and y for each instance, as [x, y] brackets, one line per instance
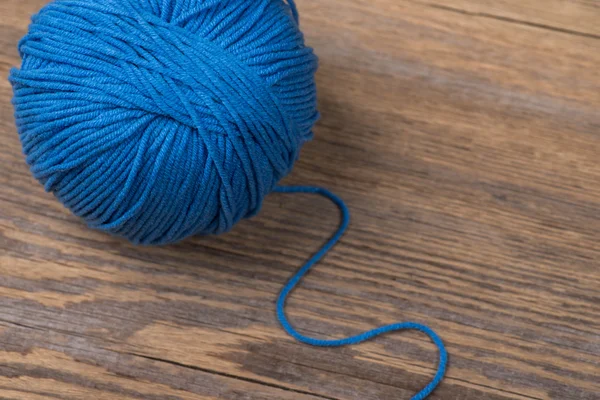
[297, 277]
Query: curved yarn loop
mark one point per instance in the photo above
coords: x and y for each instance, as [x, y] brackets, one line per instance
[297, 277]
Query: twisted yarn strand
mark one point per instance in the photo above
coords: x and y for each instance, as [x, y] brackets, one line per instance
[297, 277]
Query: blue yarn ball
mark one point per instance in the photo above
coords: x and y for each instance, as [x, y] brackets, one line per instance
[159, 119]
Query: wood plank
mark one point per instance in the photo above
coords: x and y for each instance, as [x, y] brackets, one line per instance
[578, 17]
[466, 148]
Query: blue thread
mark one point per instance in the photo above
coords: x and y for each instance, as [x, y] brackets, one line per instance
[156, 120]
[297, 277]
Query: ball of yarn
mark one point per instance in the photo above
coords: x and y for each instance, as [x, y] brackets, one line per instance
[159, 119]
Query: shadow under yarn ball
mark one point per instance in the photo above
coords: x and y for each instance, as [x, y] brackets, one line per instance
[156, 120]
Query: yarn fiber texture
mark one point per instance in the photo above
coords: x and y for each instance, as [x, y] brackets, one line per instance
[159, 119]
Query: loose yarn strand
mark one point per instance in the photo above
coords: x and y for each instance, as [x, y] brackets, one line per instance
[297, 277]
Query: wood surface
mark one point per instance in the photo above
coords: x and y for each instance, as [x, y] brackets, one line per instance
[465, 137]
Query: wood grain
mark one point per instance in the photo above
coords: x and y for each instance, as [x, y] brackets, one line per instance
[464, 136]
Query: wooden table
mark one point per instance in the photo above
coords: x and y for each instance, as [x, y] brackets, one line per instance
[465, 137]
